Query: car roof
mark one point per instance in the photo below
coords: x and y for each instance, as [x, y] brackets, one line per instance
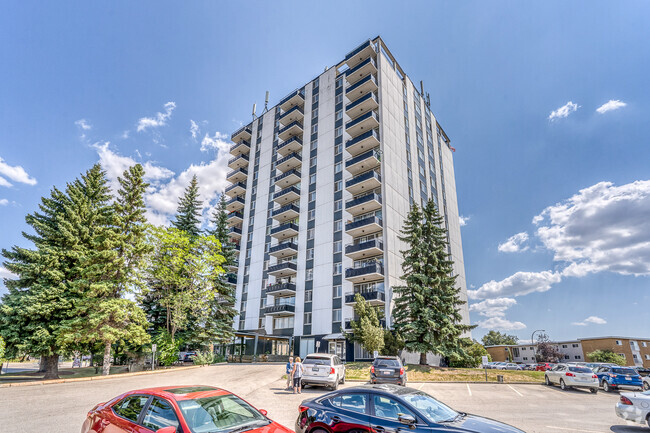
[380, 387]
[320, 355]
[180, 393]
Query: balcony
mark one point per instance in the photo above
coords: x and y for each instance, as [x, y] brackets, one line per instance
[240, 148]
[286, 213]
[287, 195]
[294, 114]
[291, 161]
[295, 98]
[286, 230]
[235, 218]
[294, 144]
[231, 278]
[348, 327]
[362, 105]
[236, 162]
[233, 265]
[361, 88]
[291, 130]
[364, 204]
[283, 249]
[363, 123]
[237, 175]
[287, 178]
[366, 249]
[243, 133]
[359, 54]
[366, 161]
[236, 189]
[368, 66]
[363, 142]
[367, 181]
[235, 203]
[369, 272]
[282, 270]
[373, 298]
[234, 232]
[365, 226]
[280, 310]
[281, 289]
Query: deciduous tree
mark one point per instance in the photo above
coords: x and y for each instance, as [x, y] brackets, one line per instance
[496, 338]
[366, 329]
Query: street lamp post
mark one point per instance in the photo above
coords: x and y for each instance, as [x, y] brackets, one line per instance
[532, 341]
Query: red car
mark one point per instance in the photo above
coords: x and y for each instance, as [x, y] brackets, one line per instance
[543, 366]
[182, 409]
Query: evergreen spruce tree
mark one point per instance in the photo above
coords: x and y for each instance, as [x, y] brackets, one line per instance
[188, 216]
[426, 308]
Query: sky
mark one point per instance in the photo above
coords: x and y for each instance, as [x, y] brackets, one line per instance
[546, 104]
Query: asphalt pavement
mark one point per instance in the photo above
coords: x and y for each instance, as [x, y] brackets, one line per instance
[61, 408]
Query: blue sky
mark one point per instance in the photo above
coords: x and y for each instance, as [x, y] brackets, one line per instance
[556, 206]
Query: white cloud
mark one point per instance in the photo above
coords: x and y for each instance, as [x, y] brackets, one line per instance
[83, 124]
[194, 128]
[501, 324]
[5, 273]
[15, 173]
[4, 202]
[612, 104]
[495, 311]
[463, 220]
[595, 320]
[563, 111]
[515, 243]
[125, 135]
[160, 119]
[521, 283]
[219, 142]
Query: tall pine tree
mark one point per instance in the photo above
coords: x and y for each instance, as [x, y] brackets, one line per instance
[426, 313]
[188, 214]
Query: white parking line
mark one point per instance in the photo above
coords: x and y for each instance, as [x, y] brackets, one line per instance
[518, 393]
[573, 429]
[421, 385]
[469, 390]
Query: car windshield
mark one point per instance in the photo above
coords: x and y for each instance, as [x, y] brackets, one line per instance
[316, 361]
[623, 371]
[223, 413]
[429, 407]
[387, 363]
[580, 370]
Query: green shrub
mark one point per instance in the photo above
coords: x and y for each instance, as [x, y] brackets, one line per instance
[167, 348]
[204, 358]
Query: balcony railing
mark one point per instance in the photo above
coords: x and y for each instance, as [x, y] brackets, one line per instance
[236, 230]
[246, 129]
[369, 154]
[285, 191]
[286, 99]
[368, 296]
[358, 49]
[283, 227]
[355, 86]
[363, 199]
[363, 222]
[282, 266]
[289, 207]
[287, 174]
[280, 287]
[289, 126]
[231, 278]
[372, 268]
[283, 246]
[362, 178]
[241, 143]
[288, 157]
[235, 214]
[295, 110]
[233, 172]
[242, 157]
[348, 326]
[234, 200]
[295, 139]
[374, 243]
[235, 185]
[281, 308]
[357, 120]
[369, 60]
[361, 100]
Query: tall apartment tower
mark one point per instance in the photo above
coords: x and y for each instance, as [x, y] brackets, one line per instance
[321, 185]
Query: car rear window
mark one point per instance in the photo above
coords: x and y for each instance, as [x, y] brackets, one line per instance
[386, 363]
[316, 360]
[580, 370]
[627, 371]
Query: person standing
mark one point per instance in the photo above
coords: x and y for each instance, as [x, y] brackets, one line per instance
[289, 369]
[296, 373]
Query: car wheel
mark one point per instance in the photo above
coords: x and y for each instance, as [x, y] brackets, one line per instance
[648, 419]
[606, 386]
[546, 381]
[646, 386]
[336, 384]
[343, 379]
[563, 385]
[594, 390]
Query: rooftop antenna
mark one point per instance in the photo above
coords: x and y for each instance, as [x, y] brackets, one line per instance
[266, 103]
[428, 100]
[421, 88]
[254, 110]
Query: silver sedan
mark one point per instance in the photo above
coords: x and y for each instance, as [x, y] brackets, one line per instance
[635, 407]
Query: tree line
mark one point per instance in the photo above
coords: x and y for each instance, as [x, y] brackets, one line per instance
[98, 278]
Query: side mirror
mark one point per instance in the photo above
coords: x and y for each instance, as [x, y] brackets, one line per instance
[169, 429]
[406, 419]
[263, 412]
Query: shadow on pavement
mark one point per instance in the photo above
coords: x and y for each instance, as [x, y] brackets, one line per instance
[627, 429]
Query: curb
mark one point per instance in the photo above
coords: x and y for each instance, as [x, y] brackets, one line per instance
[86, 379]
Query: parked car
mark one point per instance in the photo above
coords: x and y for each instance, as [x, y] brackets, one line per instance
[635, 407]
[615, 377]
[189, 356]
[510, 366]
[388, 369]
[545, 366]
[572, 376]
[323, 369]
[186, 409]
[497, 365]
[388, 408]
[596, 365]
[646, 383]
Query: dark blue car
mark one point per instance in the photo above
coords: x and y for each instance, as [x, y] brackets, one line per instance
[613, 377]
[388, 408]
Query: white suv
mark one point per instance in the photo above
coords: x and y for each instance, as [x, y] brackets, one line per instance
[323, 369]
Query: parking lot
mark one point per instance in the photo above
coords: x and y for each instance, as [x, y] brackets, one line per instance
[61, 408]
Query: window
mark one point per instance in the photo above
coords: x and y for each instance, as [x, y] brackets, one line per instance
[622, 354]
[315, 83]
[336, 292]
[647, 356]
[245, 288]
[314, 99]
[354, 402]
[338, 132]
[525, 358]
[339, 115]
[159, 414]
[309, 295]
[338, 149]
[311, 215]
[314, 128]
[339, 99]
[307, 318]
[314, 145]
[644, 344]
[250, 236]
[310, 234]
[312, 196]
[574, 345]
[310, 253]
[388, 408]
[338, 246]
[336, 315]
[338, 185]
[337, 268]
[618, 343]
[130, 407]
[312, 162]
[283, 322]
[242, 324]
[338, 205]
[338, 167]
[309, 274]
[338, 225]
[577, 357]
[260, 323]
[564, 346]
[312, 179]
[314, 113]
[566, 357]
